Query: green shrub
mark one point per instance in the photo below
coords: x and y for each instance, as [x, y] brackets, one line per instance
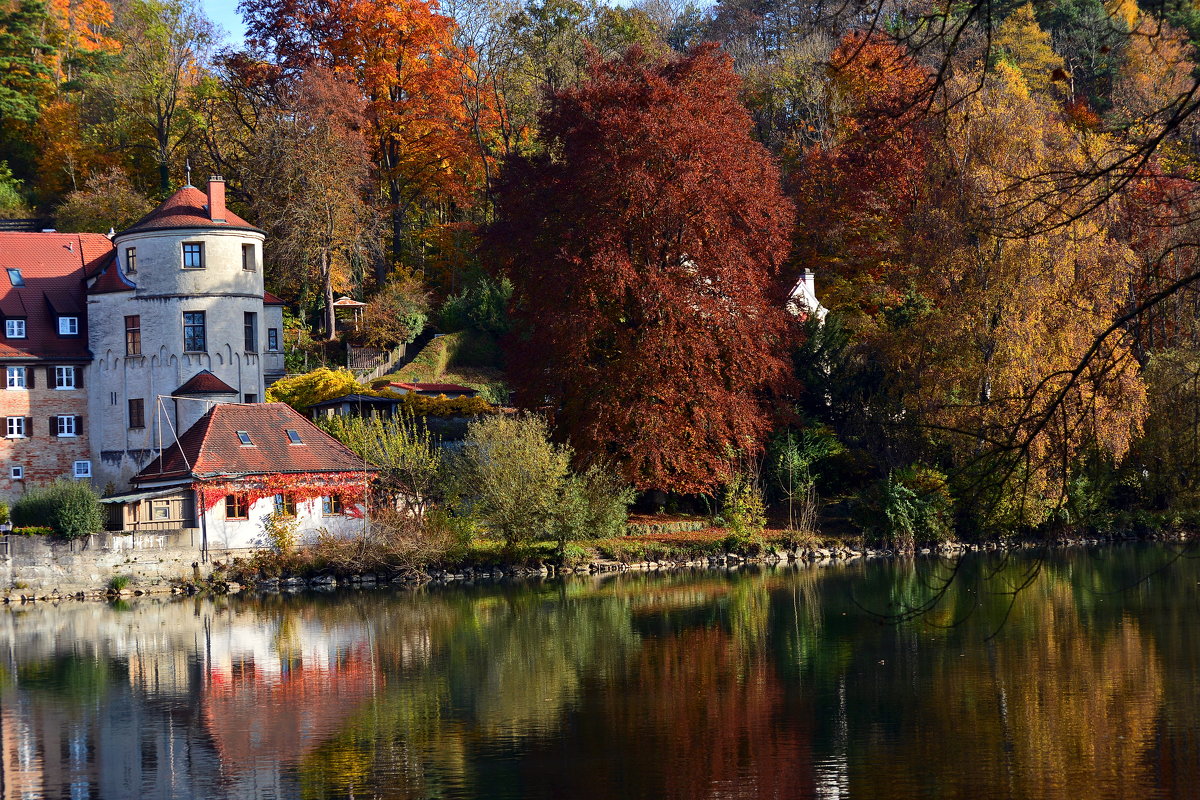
[510, 476]
[519, 485]
[910, 505]
[482, 306]
[32, 530]
[71, 508]
[281, 532]
[742, 507]
[593, 505]
[118, 582]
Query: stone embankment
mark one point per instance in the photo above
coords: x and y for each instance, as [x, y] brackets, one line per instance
[37, 568]
[84, 569]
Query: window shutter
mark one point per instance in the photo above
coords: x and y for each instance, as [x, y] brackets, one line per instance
[54, 426]
[78, 425]
[29, 426]
[79, 377]
[50, 383]
[30, 382]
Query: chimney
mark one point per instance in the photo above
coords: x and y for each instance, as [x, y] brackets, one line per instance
[216, 198]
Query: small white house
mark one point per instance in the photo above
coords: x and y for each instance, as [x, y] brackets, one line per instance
[802, 300]
[239, 464]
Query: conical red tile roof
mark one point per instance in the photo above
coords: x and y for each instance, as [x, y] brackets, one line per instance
[187, 208]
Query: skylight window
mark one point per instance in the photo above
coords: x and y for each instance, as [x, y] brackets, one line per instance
[293, 436]
[244, 438]
[14, 275]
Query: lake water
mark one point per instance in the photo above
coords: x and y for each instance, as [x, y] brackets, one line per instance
[773, 683]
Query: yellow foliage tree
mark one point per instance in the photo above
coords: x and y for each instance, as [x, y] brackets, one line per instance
[1018, 282]
[303, 391]
[1027, 47]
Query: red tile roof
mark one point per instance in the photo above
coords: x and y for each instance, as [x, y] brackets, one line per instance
[273, 300]
[204, 382]
[111, 280]
[187, 208]
[211, 447]
[53, 266]
[438, 388]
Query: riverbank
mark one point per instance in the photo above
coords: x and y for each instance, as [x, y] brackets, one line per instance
[483, 562]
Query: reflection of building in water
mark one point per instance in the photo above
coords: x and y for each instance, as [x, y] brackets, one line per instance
[273, 694]
[20, 762]
[171, 699]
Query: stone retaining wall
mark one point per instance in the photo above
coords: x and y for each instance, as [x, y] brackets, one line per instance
[42, 567]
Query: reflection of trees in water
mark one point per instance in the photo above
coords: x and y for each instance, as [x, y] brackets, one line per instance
[1053, 706]
[757, 684]
[690, 717]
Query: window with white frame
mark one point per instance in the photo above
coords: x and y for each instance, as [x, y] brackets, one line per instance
[67, 425]
[193, 255]
[16, 378]
[14, 427]
[83, 469]
[14, 329]
[16, 472]
[64, 377]
[68, 326]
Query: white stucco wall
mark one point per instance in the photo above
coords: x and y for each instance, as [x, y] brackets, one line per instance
[251, 532]
[223, 290]
[272, 361]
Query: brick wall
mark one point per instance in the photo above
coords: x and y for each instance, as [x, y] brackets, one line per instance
[43, 456]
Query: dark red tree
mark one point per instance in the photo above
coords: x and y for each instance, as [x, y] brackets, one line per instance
[645, 244]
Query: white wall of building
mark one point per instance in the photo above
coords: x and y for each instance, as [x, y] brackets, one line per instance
[251, 532]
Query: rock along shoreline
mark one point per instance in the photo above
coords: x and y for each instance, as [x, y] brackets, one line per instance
[217, 584]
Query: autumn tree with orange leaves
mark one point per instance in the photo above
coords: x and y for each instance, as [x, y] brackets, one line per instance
[645, 243]
[404, 60]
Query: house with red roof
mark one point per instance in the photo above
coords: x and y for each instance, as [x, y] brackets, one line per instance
[238, 464]
[44, 356]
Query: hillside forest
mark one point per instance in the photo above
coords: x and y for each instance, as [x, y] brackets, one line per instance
[605, 208]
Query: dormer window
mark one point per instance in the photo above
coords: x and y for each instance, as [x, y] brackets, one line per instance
[14, 277]
[293, 436]
[68, 326]
[193, 255]
[14, 329]
[244, 438]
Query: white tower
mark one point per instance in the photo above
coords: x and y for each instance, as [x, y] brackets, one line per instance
[175, 323]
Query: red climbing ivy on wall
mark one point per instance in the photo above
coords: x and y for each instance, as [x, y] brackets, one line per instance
[351, 487]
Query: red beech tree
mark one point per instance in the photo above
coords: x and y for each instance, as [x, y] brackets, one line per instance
[644, 243]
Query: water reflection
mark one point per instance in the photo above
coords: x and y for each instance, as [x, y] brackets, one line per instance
[760, 684]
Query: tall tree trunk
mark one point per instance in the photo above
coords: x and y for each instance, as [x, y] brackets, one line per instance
[327, 288]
